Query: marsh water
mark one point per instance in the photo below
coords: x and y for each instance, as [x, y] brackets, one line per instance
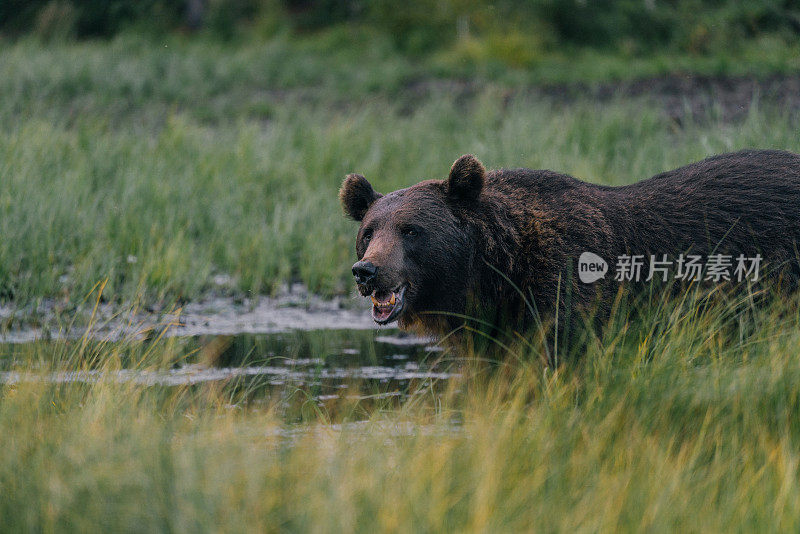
[320, 365]
[295, 350]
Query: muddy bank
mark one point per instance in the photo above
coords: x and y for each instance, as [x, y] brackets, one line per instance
[726, 98]
[681, 96]
[292, 309]
[191, 375]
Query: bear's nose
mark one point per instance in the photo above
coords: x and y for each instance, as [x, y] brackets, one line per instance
[364, 271]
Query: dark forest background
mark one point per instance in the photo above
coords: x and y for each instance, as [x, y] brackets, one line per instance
[420, 26]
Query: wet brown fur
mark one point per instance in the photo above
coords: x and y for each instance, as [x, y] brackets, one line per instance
[485, 237]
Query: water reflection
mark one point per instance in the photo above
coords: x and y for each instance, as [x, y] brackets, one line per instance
[326, 365]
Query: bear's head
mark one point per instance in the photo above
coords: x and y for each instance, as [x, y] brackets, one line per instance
[415, 246]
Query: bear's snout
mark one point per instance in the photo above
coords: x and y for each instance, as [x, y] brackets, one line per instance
[364, 271]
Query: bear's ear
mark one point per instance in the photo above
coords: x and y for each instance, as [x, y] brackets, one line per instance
[466, 178]
[356, 196]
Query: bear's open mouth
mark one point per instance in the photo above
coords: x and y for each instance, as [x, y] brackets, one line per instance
[387, 305]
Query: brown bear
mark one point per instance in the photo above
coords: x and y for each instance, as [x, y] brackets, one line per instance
[519, 240]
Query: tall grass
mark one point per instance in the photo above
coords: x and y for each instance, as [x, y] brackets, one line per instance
[159, 168]
[682, 418]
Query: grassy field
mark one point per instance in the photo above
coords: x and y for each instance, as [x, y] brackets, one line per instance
[157, 166]
[684, 419]
[160, 165]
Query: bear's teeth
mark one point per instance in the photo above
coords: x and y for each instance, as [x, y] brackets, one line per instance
[391, 302]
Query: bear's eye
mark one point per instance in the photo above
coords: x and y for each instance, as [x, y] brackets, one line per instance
[410, 232]
[367, 235]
